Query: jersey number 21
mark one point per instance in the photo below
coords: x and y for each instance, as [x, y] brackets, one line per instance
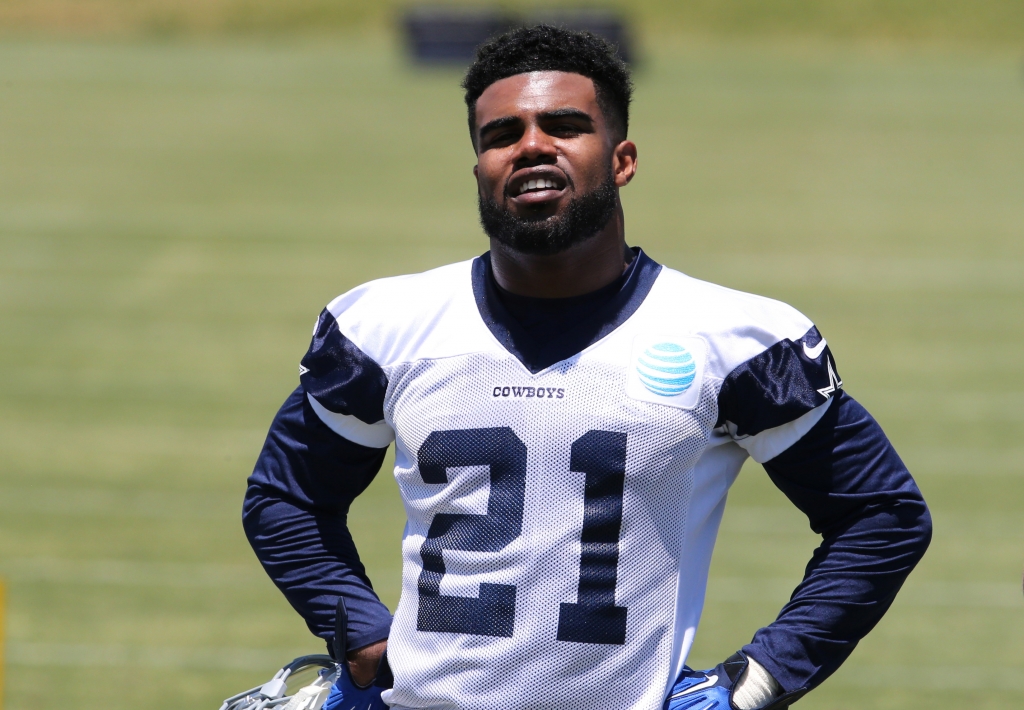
[594, 618]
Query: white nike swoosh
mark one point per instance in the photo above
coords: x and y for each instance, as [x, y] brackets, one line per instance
[711, 680]
[813, 353]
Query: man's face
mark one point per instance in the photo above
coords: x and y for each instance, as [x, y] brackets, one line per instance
[546, 161]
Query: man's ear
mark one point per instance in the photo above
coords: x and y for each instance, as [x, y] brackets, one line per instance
[624, 163]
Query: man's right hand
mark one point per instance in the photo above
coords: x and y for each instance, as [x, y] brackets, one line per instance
[362, 680]
[364, 662]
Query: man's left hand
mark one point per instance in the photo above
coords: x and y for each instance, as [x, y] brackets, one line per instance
[739, 683]
[700, 690]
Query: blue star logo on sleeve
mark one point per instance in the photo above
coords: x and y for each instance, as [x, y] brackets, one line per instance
[834, 382]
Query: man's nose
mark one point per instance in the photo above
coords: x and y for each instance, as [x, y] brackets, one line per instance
[536, 147]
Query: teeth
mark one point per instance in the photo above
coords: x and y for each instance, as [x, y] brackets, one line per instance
[542, 184]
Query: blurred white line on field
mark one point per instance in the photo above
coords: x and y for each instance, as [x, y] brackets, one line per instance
[90, 655]
[119, 573]
[935, 678]
[787, 520]
[925, 593]
[122, 504]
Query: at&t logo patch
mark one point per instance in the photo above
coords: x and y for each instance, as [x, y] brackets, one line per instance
[667, 369]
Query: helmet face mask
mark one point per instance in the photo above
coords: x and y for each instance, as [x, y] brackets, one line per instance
[302, 684]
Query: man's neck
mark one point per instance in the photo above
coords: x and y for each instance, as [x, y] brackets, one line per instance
[581, 269]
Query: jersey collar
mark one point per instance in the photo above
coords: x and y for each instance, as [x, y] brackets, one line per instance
[639, 278]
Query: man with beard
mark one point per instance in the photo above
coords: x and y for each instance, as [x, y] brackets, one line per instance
[568, 416]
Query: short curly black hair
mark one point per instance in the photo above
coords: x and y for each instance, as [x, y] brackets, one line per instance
[547, 48]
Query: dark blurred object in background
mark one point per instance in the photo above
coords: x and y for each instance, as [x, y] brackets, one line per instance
[445, 35]
[448, 36]
[603, 23]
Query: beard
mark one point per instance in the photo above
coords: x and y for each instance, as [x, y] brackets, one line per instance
[584, 216]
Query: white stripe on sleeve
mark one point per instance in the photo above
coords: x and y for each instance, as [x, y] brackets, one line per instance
[375, 436]
[772, 442]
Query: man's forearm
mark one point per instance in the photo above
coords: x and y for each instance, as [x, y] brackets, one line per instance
[312, 560]
[858, 494]
[295, 519]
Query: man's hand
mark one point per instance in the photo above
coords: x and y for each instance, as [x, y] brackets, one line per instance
[700, 690]
[740, 683]
[363, 678]
[363, 662]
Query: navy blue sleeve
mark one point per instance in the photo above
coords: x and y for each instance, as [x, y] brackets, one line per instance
[295, 514]
[778, 385]
[857, 494]
[340, 376]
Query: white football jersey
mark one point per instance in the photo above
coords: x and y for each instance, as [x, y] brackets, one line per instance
[561, 523]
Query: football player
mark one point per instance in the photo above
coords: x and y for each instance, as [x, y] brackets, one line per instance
[568, 416]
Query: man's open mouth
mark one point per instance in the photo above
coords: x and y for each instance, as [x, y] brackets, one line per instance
[536, 185]
[541, 184]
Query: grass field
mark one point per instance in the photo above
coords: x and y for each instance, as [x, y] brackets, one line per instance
[173, 217]
[977, 21]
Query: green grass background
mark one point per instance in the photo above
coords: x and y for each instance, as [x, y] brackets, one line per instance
[174, 215]
[973, 21]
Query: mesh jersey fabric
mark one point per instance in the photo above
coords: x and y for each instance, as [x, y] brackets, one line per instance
[561, 522]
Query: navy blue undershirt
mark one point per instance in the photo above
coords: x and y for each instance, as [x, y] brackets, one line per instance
[843, 474]
[546, 320]
[542, 331]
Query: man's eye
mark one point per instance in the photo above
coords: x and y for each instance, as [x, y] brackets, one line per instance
[501, 138]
